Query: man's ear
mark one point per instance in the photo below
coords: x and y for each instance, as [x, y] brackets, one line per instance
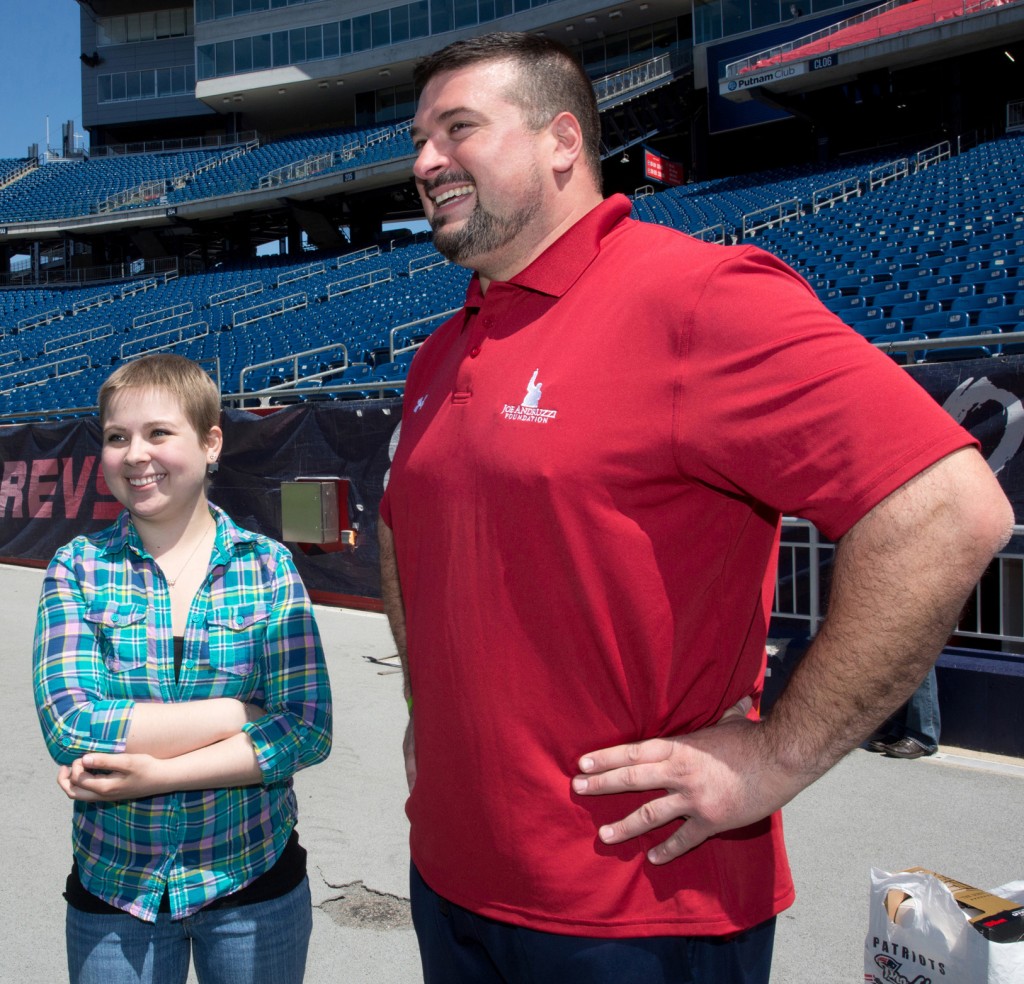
[568, 136]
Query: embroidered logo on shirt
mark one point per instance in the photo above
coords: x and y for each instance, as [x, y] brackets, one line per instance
[419, 404]
[530, 410]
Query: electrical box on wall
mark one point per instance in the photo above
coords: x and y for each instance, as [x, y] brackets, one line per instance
[312, 509]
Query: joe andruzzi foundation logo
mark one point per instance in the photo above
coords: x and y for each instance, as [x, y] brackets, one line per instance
[530, 411]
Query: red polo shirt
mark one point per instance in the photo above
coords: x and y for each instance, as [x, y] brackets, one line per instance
[585, 501]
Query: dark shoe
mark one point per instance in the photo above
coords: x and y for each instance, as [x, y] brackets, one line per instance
[908, 748]
[881, 744]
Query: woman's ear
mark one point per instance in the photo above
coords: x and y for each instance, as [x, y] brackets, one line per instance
[214, 443]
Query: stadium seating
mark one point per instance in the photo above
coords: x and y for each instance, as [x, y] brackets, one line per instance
[934, 254]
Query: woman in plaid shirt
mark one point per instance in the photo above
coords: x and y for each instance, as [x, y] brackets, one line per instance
[180, 683]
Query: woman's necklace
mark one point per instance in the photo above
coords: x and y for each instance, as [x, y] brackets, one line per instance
[174, 580]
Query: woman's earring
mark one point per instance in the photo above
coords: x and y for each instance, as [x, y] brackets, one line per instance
[213, 467]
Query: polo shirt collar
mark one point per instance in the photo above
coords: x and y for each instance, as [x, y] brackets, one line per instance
[563, 262]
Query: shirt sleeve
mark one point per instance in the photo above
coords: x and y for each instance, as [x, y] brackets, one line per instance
[68, 673]
[802, 413]
[295, 731]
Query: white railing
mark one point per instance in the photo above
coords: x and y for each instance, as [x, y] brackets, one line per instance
[771, 215]
[160, 340]
[995, 610]
[841, 191]
[269, 309]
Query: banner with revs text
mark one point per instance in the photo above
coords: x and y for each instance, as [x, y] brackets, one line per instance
[52, 487]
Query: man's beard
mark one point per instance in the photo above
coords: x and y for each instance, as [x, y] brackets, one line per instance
[483, 232]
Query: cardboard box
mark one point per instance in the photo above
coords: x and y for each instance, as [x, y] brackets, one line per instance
[997, 919]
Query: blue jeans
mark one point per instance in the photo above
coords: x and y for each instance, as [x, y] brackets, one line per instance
[262, 943]
[460, 947]
[922, 720]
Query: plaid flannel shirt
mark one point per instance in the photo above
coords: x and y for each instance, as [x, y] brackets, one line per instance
[104, 641]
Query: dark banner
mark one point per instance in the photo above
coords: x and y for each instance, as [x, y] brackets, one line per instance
[985, 396]
[52, 487]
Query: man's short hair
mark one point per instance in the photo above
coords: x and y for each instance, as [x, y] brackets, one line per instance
[182, 378]
[548, 81]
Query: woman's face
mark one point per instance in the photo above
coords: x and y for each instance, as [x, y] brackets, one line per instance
[153, 461]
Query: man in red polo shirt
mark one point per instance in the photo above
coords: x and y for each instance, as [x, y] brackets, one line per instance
[578, 546]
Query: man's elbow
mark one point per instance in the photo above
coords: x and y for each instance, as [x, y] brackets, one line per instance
[984, 517]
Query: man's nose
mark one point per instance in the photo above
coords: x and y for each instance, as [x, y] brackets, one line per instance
[429, 161]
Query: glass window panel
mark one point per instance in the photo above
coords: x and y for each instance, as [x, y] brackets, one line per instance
[243, 55]
[399, 24]
[163, 81]
[162, 24]
[365, 109]
[178, 85]
[223, 8]
[147, 26]
[331, 47]
[486, 9]
[132, 88]
[380, 29]
[314, 43]
[225, 58]
[442, 16]
[204, 10]
[117, 86]
[297, 45]
[261, 52]
[419, 19]
[147, 84]
[405, 102]
[707, 21]
[104, 89]
[735, 18]
[242, 6]
[465, 13]
[207, 62]
[764, 12]
[132, 28]
[361, 33]
[181, 23]
[261, 4]
[190, 79]
[279, 46]
[502, 8]
[344, 37]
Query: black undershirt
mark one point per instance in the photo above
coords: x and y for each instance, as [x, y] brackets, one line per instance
[285, 875]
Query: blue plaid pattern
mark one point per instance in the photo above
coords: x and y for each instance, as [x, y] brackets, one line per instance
[104, 640]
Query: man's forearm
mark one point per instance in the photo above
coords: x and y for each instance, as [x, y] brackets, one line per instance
[900, 580]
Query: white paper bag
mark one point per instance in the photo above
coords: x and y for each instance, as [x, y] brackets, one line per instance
[929, 939]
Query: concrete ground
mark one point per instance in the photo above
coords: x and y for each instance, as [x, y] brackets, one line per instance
[956, 812]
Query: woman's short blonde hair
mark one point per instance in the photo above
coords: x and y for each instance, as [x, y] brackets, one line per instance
[174, 374]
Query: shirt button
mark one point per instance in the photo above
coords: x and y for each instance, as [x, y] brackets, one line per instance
[474, 351]
[65, 741]
[239, 620]
[115, 619]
